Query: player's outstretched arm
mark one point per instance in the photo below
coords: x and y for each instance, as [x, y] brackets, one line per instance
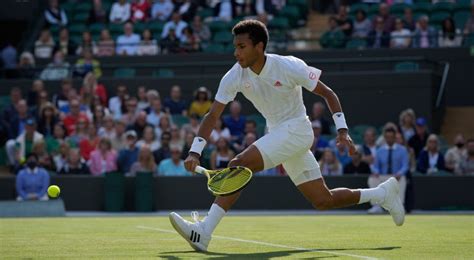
[207, 124]
[334, 105]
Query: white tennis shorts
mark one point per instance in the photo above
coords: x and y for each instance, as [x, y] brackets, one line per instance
[289, 144]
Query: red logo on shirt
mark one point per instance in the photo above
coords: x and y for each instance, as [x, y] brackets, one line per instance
[277, 84]
[312, 75]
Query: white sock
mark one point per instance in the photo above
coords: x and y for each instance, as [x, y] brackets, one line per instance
[213, 218]
[374, 195]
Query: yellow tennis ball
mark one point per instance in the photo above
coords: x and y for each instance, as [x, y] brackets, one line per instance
[53, 191]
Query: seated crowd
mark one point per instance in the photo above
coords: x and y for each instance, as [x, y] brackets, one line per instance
[385, 30]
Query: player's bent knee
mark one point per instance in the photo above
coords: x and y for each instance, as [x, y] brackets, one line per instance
[237, 161]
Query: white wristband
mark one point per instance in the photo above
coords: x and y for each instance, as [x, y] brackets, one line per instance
[198, 145]
[339, 120]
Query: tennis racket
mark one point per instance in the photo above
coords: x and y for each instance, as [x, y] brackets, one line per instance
[226, 181]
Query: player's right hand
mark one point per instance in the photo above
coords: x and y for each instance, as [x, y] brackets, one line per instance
[191, 162]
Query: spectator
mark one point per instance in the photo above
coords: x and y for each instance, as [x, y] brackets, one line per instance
[94, 88]
[119, 142]
[425, 36]
[132, 115]
[53, 142]
[449, 36]
[251, 127]
[219, 131]
[342, 154]
[164, 126]
[10, 111]
[201, 29]
[150, 95]
[430, 159]
[74, 116]
[48, 119]
[106, 45]
[173, 166]
[174, 104]
[88, 64]
[127, 43]
[74, 164]
[387, 19]
[170, 43]
[248, 140]
[98, 14]
[143, 104]
[89, 144]
[235, 121]
[224, 10]
[120, 12]
[18, 148]
[56, 70]
[407, 123]
[455, 154]
[319, 143]
[357, 166]
[469, 26]
[334, 37]
[378, 37]
[190, 41]
[187, 9]
[466, 167]
[145, 162]
[65, 44]
[391, 160]
[418, 141]
[60, 158]
[329, 164]
[362, 25]
[9, 57]
[400, 37]
[408, 20]
[107, 128]
[80, 132]
[103, 159]
[176, 137]
[202, 103]
[61, 99]
[17, 120]
[164, 152]
[141, 10]
[222, 155]
[87, 44]
[44, 46]
[411, 153]
[162, 10]
[188, 141]
[129, 154]
[33, 93]
[117, 102]
[149, 139]
[44, 159]
[156, 112]
[317, 114]
[148, 45]
[343, 22]
[177, 24]
[54, 14]
[26, 66]
[32, 181]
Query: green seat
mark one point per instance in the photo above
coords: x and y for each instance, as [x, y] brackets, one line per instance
[115, 28]
[3, 156]
[54, 29]
[462, 7]
[406, 66]
[460, 19]
[292, 13]
[206, 12]
[469, 40]
[356, 7]
[114, 191]
[96, 28]
[124, 73]
[214, 48]
[332, 40]
[156, 27]
[139, 27]
[144, 192]
[397, 9]
[206, 157]
[80, 17]
[180, 120]
[229, 48]
[301, 4]
[279, 23]
[356, 44]
[83, 7]
[77, 28]
[68, 7]
[76, 38]
[223, 37]
[373, 9]
[438, 17]
[219, 26]
[421, 7]
[163, 73]
[442, 7]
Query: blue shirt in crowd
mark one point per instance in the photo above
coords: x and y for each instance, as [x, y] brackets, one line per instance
[175, 108]
[126, 158]
[399, 164]
[32, 181]
[168, 168]
[236, 127]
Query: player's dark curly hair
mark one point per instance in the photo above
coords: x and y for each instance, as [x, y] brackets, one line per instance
[257, 31]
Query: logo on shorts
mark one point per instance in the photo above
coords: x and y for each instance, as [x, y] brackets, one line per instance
[312, 75]
[247, 85]
[277, 84]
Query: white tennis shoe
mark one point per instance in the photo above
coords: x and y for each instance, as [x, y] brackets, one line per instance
[392, 201]
[193, 233]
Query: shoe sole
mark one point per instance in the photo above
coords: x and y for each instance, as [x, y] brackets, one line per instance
[178, 229]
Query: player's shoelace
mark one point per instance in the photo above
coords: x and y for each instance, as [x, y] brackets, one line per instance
[195, 216]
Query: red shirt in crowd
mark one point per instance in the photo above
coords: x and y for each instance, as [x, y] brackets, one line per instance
[86, 147]
[70, 122]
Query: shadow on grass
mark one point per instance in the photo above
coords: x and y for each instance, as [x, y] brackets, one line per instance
[268, 255]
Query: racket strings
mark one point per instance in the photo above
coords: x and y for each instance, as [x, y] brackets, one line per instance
[229, 181]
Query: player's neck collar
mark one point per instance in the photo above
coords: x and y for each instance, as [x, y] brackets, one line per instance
[264, 68]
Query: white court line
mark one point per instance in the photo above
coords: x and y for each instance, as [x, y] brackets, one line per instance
[267, 244]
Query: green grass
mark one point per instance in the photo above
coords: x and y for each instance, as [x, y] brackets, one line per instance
[422, 237]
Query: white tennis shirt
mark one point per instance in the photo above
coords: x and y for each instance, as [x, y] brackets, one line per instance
[276, 92]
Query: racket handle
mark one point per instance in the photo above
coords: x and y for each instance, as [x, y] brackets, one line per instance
[200, 169]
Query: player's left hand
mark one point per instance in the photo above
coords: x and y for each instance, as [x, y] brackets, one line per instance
[344, 139]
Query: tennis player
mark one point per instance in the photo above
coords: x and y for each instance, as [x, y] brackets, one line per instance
[273, 83]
